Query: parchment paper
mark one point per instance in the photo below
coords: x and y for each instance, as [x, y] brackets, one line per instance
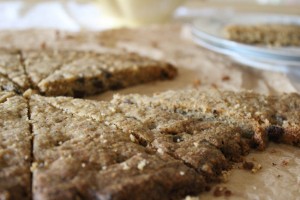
[279, 177]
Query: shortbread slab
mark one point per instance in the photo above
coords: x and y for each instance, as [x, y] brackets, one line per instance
[207, 147]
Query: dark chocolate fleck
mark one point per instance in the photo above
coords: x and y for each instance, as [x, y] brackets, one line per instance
[81, 80]
[227, 193]
[274, 133]
[78, 93]
[164, 74]
[248, 165]
[106, 74]
[128, 101]
[116, 86]
[97, 83]
[177, 138]
[218, 191]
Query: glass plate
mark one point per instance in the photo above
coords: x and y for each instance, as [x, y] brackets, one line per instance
[211, 28]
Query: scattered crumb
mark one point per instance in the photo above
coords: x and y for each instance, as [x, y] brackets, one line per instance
[222, 191]
[214, 85]
[197, 83]
[43, 45]
[285, 162]
[181, 173]
[159, 150]
[191, 198]
[34, 166]
[142, 164]
[132, 138]
[219, 191]
[225, 78]
[83, 165]
[256, 168]
[248, 165]
[154, 44]
[125, 166]
[225, 176]
[104, 167]
[29, 92]
[104, 141]
[196, 144]
[227, 193]
[273, 151]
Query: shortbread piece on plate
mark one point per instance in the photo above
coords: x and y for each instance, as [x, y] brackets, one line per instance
[265, 34]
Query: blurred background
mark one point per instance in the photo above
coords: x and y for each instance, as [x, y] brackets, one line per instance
[102, 14]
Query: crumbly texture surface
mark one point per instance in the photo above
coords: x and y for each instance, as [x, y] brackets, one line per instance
[166, 146]
[266, 34]
[204, 130]
[81, 157]
[79, 74]
[15, 148]
[7, 85]
[261, 117]
[12, 71]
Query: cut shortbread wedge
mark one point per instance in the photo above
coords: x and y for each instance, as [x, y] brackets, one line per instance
[275, 117]
[78, 74]
[15, 148]
[80, 157]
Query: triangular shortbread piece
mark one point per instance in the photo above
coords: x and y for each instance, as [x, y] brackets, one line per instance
[15, 148]
[80, 157]
[275, 117]
[12, 69]
[80, 143]
[71, 73]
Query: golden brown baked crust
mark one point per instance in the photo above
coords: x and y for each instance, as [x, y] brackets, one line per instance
[162, 147]
[204, 147]
[15, 148]
[81, 157]
[77, 73]
[274, 117]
